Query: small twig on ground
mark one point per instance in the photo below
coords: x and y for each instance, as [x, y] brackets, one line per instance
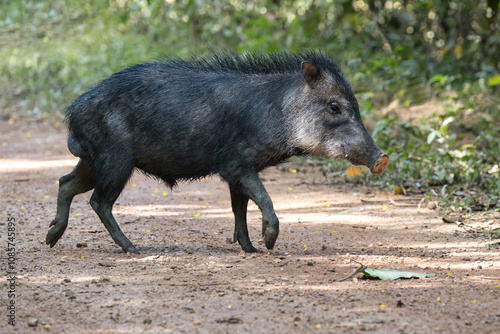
[420, 203]
[359, 270]
[492, 278]
[401, 205]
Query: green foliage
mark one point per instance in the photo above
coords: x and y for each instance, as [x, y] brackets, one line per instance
[456, 147]
[404, 52]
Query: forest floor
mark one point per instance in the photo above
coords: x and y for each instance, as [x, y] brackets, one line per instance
[190, 279]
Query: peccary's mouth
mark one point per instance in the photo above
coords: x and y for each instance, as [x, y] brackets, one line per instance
[380, 165]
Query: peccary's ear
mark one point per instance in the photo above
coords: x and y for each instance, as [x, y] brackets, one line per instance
[310, 72]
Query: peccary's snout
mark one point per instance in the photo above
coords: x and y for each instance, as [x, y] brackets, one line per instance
[380, 165]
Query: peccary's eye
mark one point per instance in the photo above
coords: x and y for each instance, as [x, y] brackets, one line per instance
[334, 106]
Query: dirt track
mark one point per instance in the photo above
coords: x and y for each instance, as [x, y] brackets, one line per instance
[188, 279]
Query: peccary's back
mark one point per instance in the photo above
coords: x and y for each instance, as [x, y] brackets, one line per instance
[181, 123]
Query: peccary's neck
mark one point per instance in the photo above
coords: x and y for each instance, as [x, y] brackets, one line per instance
[273, 114]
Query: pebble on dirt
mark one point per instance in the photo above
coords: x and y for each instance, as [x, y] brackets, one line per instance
[33, 322]
[432, 205]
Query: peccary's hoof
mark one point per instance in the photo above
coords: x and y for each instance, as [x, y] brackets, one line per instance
[55, 232]
[131, 249]
[270, 243]
[250, 249]
[270, 236]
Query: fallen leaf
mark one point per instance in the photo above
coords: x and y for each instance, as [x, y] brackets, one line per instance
[384, 274]
[353, 171]
[452, 220]
[391, 274]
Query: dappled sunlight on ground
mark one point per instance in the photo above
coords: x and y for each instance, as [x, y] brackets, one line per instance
[26, 165]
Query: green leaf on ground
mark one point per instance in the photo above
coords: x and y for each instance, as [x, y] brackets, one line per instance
[391, 274]
[384, 274]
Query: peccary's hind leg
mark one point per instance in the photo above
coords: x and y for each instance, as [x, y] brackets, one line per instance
[239, 203]
[80, 180]
[109, 185]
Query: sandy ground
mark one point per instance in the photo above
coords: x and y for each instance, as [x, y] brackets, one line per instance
[189, 279]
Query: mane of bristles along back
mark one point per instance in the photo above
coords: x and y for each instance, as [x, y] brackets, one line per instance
[256, 63]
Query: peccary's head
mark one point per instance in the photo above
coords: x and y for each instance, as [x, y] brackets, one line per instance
[325, 117]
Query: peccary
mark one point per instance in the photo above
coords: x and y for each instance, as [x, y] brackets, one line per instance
[228, 114]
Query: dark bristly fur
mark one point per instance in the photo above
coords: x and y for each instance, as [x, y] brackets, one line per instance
[255, 62]
[228, 114]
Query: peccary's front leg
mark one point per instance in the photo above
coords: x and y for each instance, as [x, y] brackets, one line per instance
[251, 186]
